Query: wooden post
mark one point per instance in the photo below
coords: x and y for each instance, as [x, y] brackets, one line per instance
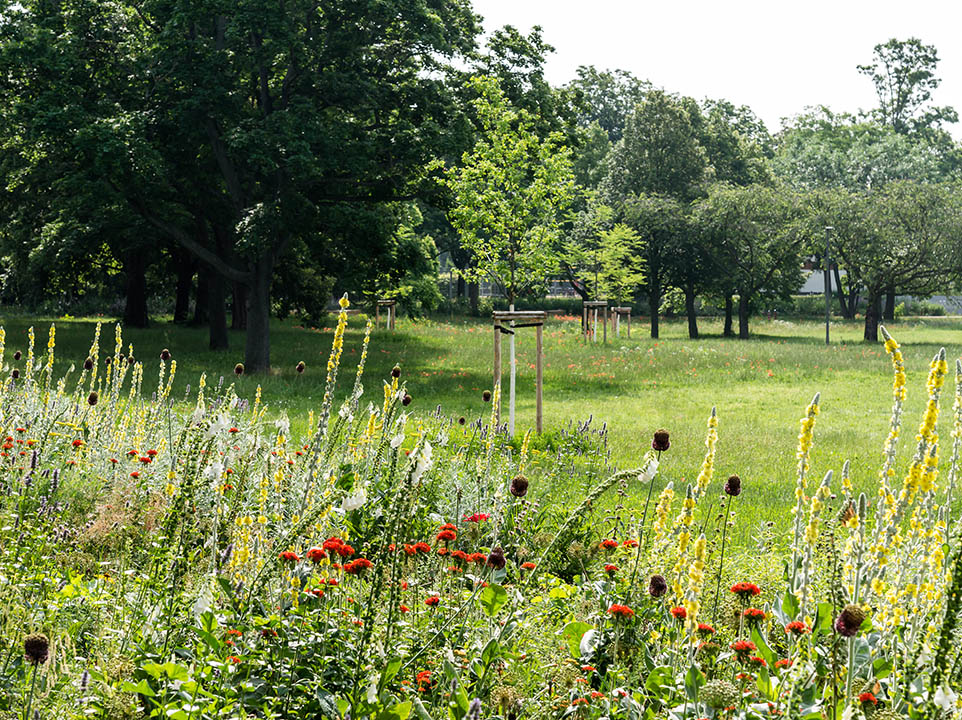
[617, 324]
[539, 377]
[584, 321]
[606, 323]
[629, 322]
[497, 370]
[377, 315]
[392, 309]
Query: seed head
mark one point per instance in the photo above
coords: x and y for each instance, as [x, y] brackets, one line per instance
[92, 398]
[733, 486]
[657, 586]
[300, 367]
[239, 369]
[519, 486]
[36, 648]
[660, 441]
[165, 354]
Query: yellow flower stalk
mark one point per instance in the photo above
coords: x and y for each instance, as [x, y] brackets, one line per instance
[696, 580]
[804, 591]
[805, 441]
[708, 464]
[682, 530]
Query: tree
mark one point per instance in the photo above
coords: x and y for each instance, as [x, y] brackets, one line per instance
[659, 154]
[608, 98]
[755, 234]
[918, 226]
[602, 259]
[659, 221]
[509, 194]
[238, 131]
[903, 72]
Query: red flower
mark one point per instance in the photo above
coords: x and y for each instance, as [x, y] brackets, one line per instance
[757, 662]
[783, 663]
[528, 566]
[608, 544]
[409, 549]
[432, 601]
[447, 536]
[587, 668]
[744, 647]
[146, 460]
[317, 592]
[442, 551]
[77, 443]
[316, 554]
[460, 556]
[478, 558]
[477, 517]
[579, 701]
[135, 474]
[404, 608]
[268, 633]
[344, 550]
[332, 582]
[448, 526]
[132, 453]
[630, 543]
[422, 547]
[595, 694]
[233, 430]
[679, 613]
[705, 629]
[621, 611]
[356, 567]
[754, 615]
[611, 569]
[152, 453]
[234, 659]
[332, 544]
[423, 680]
[113, 460]
[797, 627]
[867, 697]
[235, 633]
[746, 590]
[289, 556]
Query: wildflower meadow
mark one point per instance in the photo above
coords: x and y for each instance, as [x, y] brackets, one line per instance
[196, 556]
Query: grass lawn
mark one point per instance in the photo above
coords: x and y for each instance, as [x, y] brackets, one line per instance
[760, 387]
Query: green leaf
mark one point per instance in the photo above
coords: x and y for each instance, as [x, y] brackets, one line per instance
[882, 668]
[328, 704]
[491, 652]
[141, 688]
[396, 712]
[493, 598]
[660, 682]
[764, 651]
[572, 633]
[694, 679]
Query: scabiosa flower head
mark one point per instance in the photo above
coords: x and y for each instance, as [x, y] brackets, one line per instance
[406, 400]
[849, 620]
[316, 554]
[486, 396]
[36, 648]
[660, 442]
[797, 627]
[461, 420]
[300, 367]
[679, 613]
[733, 486]
[89, 363]
[17, 355]
[396, 371]
[746, 590]
[519, 486]
[289, 556]
[165, 354]
[622, 612]
[15, 374]
[657, 586]
[92, 398]
[432, 601]
[496, 558]
[447, 536]
[239, 369]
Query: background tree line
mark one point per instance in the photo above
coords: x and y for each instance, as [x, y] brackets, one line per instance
[252, 159]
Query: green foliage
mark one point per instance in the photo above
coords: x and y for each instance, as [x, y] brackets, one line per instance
[509, 194]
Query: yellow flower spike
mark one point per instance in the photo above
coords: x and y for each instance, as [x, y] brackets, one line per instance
[708, 464]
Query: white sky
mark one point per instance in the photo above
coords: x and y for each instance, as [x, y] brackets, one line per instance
[776, 57]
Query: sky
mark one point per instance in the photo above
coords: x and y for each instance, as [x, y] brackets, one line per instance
[774, 56]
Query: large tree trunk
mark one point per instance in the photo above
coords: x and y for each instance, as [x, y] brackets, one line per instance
[462, 288]
[872, 313]
[238, 316]
[257, 352]
[217, 312]
[690, 311]
[474, 295]
[743, 312]
[201, 302]
[135, 268]
[889, 312]
[727, 332]
[185, 282]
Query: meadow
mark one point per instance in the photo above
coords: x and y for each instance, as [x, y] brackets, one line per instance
[629, 387]
[362, 539]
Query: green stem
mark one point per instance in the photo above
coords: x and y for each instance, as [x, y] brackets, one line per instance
[721, 562]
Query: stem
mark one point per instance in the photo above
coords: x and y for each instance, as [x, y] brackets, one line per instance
[33, 682]
[721, 563]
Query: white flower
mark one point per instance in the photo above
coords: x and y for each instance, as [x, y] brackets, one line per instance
[423, 463]
[353, 502]
[219, 425]
[198, 415]
[945, 698]
[397, 440]
[649, 472]
[283, 425]
[214, 472]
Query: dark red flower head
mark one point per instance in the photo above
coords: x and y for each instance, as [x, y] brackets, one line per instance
[849, 621]
[519, 486]
[496, 559]
[733, 486]
[657, 586]
[660, 442]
